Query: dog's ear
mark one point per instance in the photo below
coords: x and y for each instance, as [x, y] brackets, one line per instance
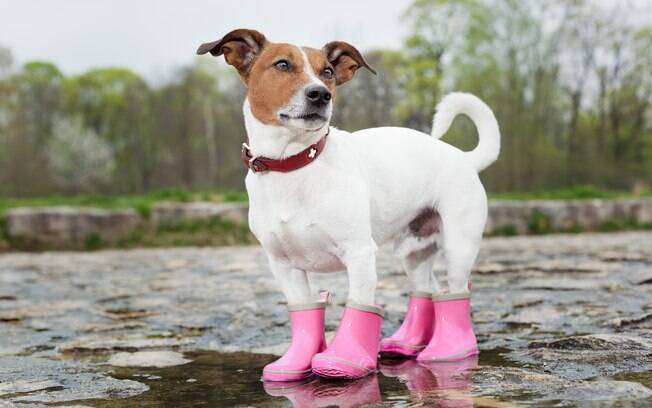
[346, 59]
[240, 48]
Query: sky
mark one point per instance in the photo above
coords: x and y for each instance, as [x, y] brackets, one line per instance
[153, 37]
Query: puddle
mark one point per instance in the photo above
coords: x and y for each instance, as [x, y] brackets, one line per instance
[557, 328]
[233, 380]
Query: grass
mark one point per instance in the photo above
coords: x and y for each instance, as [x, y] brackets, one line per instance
[207, 232]
[141, 203]
[144, 203]
[571, 193]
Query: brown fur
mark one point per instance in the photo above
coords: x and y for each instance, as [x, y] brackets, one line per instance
[269, 89]
[425, 224]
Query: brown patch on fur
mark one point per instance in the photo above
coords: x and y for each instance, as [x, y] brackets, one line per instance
[425, 224]
[270, 89]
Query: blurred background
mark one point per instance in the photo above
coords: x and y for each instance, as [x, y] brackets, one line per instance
[108, 98]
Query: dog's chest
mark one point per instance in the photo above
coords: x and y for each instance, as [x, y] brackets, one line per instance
[292, 227]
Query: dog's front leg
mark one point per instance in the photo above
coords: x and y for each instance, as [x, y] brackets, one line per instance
[361, 269]
[294, 282]
[354, 349]
[307, 323]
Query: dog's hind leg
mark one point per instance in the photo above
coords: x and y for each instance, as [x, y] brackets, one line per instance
[461, 242]
[418, 267]
[453, 337]
[416, 330]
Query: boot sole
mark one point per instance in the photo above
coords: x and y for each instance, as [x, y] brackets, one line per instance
[450, 358]
[334, 367]
[399, 350]
[286, 376]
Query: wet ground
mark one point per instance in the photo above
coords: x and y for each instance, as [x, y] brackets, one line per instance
[561, 321]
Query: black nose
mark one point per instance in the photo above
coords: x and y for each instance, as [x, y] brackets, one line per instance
[318, 95]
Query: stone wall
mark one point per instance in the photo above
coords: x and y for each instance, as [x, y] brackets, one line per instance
[166, 213]
[69, 223]
[505, 217]
[523, 217]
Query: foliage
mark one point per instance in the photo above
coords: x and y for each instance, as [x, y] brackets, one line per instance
[79, 159]
[507, 230]
[210, 232]
[539, 223]
[570, 82]
[93, 242]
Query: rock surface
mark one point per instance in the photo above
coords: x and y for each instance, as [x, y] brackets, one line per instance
[567, 313]
[29, 379]
[147, 359]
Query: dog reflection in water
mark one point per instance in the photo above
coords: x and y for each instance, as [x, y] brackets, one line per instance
[441, 384]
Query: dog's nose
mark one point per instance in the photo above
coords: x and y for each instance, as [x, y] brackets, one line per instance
[318, 95]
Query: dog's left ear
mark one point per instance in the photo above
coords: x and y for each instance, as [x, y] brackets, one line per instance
[346, 59]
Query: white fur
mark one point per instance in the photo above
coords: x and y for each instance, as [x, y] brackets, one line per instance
[362, 192]
[308, 70]
[455, 103]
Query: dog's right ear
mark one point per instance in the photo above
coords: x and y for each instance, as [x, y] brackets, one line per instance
[240, 48]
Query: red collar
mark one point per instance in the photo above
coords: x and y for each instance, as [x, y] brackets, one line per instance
[297, 161]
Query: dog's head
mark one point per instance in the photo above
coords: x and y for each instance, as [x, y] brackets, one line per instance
[287, 85]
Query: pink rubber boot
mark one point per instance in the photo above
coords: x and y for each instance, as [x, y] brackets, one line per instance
[416, 330]
[307, 321]
[453, 338]
[353, 353]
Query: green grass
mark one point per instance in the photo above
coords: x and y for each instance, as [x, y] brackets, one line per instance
[571, 193]
[539, 223]
[209, 232]
[144, 203]
[141, 203]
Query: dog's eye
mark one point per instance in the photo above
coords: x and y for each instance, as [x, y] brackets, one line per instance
[282, 65]
[328, 73]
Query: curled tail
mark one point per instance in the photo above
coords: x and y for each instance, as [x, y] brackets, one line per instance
[483, 118]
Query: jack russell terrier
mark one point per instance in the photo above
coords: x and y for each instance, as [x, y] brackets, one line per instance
[323, 200]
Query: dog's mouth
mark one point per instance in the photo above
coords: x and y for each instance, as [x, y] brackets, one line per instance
[309, 117]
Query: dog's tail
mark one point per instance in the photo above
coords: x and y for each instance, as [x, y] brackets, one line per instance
[483, 118]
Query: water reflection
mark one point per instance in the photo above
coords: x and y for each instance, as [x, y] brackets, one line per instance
[441, 384]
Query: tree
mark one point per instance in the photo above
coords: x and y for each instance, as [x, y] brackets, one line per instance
[80, 160]
[116, 104]
[370, 100]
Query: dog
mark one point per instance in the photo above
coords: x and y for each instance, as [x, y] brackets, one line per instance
[323, 200]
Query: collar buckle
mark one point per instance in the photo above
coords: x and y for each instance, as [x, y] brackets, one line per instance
[253, 162]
